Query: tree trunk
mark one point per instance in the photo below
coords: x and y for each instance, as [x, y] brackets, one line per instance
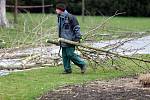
[3, 19]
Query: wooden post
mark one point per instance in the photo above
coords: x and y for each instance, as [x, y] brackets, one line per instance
[83, 9]
[43, 8]
[15, 11]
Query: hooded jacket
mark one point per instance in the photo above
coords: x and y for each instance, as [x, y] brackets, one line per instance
[68, 28]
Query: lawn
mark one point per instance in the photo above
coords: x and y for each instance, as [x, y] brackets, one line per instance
[29, 85]
[35, 28]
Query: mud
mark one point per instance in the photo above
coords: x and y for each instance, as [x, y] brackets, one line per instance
[117, 89]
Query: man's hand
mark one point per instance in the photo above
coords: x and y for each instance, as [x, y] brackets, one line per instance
[59, 39]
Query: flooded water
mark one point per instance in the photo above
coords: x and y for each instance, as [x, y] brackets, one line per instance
[138, 46]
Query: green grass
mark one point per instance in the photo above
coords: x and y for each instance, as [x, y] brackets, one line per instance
[128, 23]
[116, 27]
[34, 27]
[29, 85]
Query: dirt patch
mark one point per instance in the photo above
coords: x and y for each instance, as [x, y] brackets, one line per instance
[116, 89]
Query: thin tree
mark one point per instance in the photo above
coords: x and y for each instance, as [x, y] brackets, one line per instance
[3, 19]
[15, 11]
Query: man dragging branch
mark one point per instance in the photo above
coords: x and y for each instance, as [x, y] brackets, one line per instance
[68, 28]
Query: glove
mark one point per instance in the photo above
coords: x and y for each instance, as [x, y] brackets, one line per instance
[81, 40]
[58, 39]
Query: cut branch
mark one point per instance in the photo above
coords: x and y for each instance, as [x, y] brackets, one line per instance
[97, 49]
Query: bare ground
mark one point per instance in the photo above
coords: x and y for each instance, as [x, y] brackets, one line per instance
[116, 89]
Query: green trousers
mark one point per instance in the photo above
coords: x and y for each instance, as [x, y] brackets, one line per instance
[68, 55]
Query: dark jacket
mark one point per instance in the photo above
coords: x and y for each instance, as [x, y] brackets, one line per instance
[68, 28]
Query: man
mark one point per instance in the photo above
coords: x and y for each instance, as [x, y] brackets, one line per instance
[68, 28]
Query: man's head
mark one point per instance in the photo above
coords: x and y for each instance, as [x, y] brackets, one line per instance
[60, 8]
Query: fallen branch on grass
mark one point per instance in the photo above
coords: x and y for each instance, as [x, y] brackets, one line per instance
[96, 49]
[24, 64]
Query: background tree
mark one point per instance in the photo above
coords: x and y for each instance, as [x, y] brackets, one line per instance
[94, 7]
[3, 19]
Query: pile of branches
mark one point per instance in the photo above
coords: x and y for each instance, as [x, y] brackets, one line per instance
[107, 58]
